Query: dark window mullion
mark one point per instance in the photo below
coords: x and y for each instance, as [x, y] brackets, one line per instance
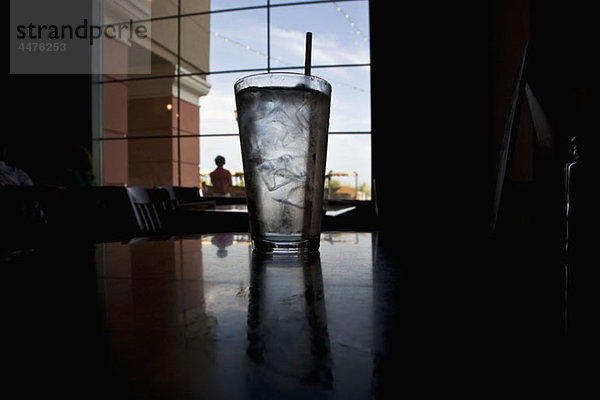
[178, 114]
[235, 71]
[200, 135]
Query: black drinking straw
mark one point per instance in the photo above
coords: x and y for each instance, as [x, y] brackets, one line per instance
[307, 54]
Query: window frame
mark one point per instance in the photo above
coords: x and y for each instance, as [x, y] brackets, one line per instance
[98, 138]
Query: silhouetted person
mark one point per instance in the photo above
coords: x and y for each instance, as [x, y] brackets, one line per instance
[21, 217]
[10, 175]
[77, 169]
[221, 178]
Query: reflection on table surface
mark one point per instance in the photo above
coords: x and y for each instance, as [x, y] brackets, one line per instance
[203, 317]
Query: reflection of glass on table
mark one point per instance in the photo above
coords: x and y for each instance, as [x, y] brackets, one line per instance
[287, 298]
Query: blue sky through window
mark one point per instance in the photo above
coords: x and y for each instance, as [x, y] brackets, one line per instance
[340, 36]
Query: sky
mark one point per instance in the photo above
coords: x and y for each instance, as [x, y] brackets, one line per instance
[340, 36]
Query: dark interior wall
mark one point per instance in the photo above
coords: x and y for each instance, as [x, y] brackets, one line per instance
[562, 70]
[435, 87]
[442, 82]
[430, 114]
[562, 66]
[511, 31]
[50, 114]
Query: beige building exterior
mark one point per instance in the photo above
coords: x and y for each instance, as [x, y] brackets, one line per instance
[148, 111]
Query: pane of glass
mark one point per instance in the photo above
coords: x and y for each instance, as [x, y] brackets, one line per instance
[148, 109]
[348, 163]
[114, 109]
[227, 4]
[114, 162]
[161, 8]
[153, 53]
[189, 155]
[217, 109]
[164, 46]
[194, 6]
[195, 43]
[146, 117]
[350, 98]
[145, 162]
[288, 1]
[228, 147]
[127, 38]
[348, 168]
[185, 109]
[138, 108]
[238, 40]
[339, 34]
[151, 162]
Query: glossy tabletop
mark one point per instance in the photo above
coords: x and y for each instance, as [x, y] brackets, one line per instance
[373, 315]
[204, 317]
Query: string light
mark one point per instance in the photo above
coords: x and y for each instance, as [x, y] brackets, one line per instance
[352, 24]
[350, 21]
[248, 48]
[266, 56]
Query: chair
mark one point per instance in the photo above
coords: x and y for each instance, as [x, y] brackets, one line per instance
[39, 213]
[152, 207]
[22, 216]
[181, 195]
[187, 195]
[172, 195]
[103, 213]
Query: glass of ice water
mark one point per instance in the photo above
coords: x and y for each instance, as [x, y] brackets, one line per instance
[283, 120]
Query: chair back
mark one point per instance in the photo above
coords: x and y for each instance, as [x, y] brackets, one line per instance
[187, 194]
[151, 207]
[172, 195]
[104, 212]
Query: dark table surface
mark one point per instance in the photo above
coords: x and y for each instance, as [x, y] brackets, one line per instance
[202, 317]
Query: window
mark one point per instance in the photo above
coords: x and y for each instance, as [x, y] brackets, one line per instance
[165, 106]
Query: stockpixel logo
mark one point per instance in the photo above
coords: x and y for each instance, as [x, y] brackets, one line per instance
[83, 31]
[68, 37]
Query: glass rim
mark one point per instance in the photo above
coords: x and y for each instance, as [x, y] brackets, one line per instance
[283, 80]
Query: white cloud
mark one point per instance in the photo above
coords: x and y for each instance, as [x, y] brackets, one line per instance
[217, 112]
[289, 46]
[350, 107]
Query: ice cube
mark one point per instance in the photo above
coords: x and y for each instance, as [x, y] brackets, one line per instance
[280, 171]
[293, 197]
